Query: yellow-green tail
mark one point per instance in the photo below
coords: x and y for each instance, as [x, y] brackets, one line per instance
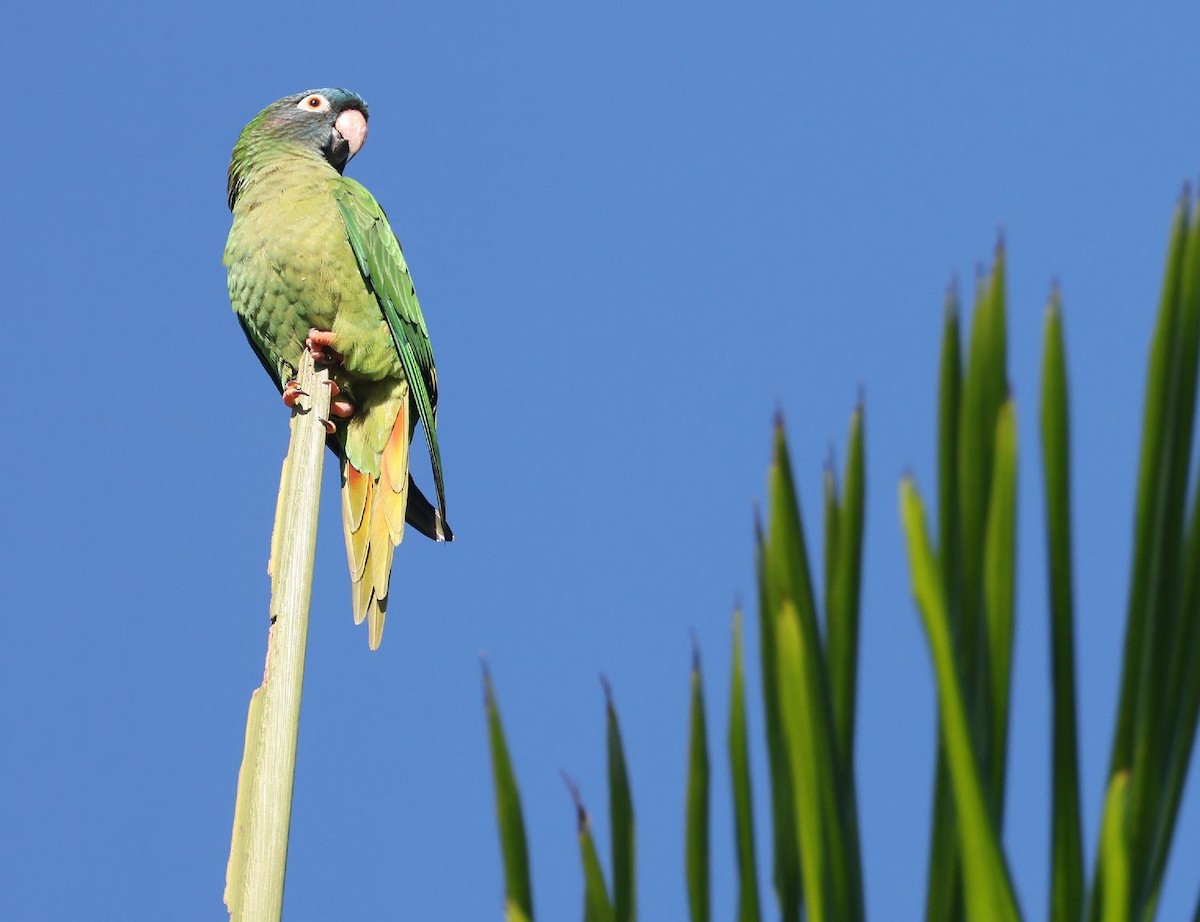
[373, 518]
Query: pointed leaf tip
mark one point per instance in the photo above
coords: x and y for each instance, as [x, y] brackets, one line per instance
[581, 816]
[608, 692]
[829, 468]
[488, 693]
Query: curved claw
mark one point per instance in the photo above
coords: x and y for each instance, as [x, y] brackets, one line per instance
[292, 394]
[343, 408]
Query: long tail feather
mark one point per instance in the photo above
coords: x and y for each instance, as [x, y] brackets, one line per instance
[373, 510]
[424, 516]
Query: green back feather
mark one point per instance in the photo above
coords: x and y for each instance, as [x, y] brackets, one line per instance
[385, 270]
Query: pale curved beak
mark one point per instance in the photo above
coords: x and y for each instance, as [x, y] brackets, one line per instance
[352, 126]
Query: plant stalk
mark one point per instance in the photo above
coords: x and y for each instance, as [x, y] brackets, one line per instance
[258, 853]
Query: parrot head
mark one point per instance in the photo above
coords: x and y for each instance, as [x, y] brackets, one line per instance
[331, 123]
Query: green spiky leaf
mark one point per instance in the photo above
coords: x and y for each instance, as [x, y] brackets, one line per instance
[696, 832]
[743, 801]
[988, 890]
[517, 891]
[620, 800]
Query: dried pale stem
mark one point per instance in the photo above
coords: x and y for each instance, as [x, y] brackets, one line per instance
[258, 854]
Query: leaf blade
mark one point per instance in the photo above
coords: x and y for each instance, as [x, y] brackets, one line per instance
[621, 818]
[697, 826]
[988, 890]
[513, 846]
[739, 770]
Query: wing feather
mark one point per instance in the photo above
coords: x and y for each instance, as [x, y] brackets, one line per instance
[385, 270]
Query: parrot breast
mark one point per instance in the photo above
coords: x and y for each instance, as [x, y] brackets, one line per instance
[291, 269]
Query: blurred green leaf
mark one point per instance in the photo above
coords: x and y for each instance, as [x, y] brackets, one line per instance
[1184, 696]
[1178, 648]
[620, 800]
[696, 833]
[988, 891]
[949, 416]
[999, 585]
[833, 514]
[786, 865]
[743, 801]
[844, 547]
[517, 892]
[976, 563]
[1151, 493]
[789, 589]
[984, 389]
[799, 735]
[597, 907]
[787, 572]
[1066, 865]
[943, 898]
[1114, 846]
[1156, 716]
[1163, 580]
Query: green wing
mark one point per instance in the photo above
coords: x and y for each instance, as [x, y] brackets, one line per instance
[383, 267]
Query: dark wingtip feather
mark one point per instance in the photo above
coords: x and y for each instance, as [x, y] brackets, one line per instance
[422, 515]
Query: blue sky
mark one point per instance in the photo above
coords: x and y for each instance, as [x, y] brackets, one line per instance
[637, 230]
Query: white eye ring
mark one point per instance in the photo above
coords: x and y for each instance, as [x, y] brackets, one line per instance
[313, 102]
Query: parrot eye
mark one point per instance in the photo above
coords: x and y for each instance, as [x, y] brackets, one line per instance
[314, 102]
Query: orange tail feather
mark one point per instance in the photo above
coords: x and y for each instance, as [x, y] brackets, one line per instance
[373, 520]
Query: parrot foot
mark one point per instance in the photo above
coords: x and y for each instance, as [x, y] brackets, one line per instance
[292, 394]
[320, 344]
[342, 407]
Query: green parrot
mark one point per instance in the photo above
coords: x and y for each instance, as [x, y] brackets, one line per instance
[313, 262]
